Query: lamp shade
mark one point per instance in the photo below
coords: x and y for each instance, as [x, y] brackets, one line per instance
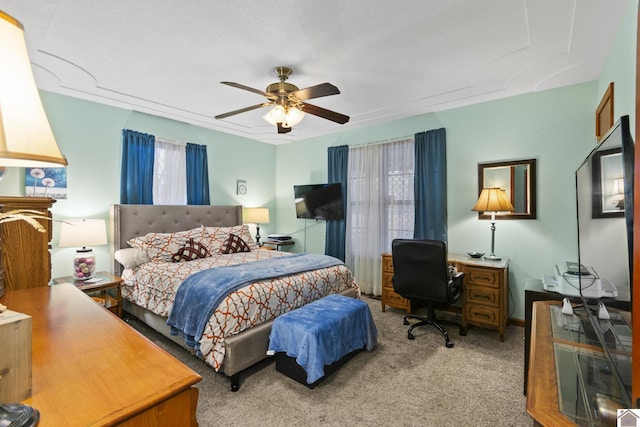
[493, 200]
[82, 233]
[256, 215]
[26, 139]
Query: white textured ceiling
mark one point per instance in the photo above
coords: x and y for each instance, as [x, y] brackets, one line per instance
[389, 58]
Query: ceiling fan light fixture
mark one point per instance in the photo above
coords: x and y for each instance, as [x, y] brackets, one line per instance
[293, 117]
[278, 113]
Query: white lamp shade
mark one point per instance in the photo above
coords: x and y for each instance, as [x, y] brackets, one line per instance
[82, 233]
[256, 215]
[26, 139]
[293, 117]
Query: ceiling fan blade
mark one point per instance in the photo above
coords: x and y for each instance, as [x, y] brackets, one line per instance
[317, 91]
[243, 110]
[250, 89]
[324, 113]
[282, 129]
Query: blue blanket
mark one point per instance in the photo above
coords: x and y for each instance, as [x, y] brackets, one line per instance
[200, 294]
[323, 331]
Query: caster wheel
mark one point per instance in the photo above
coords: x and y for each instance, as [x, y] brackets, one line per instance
[411, 337]
[405, 322]
[449, 344]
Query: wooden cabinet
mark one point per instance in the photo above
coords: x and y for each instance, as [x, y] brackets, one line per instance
[389, 297]
[26, 261]
[485, 298]
[485, 301]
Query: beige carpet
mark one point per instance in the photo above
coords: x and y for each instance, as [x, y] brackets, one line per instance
[478, 382]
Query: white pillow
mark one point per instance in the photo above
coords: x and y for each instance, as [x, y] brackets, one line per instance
[131, 257]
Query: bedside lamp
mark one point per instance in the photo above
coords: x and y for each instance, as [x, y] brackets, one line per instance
[257, 216]
[493, 200]
[84, 233]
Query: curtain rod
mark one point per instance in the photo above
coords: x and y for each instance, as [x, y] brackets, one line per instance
[385, 141]
[170, 141]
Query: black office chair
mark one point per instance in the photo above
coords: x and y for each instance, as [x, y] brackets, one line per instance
[421, 274]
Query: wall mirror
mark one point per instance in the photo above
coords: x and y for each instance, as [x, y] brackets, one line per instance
[518, 179]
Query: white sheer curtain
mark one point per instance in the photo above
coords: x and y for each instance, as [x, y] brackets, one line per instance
[169, 173]
[380, 205]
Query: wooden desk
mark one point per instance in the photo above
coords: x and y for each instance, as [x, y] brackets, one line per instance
[485, 301]
[91, 368]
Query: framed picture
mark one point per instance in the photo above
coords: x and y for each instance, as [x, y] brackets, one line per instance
[46, 182]
[608, 184]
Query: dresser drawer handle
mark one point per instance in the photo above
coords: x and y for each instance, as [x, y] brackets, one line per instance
[488, 316]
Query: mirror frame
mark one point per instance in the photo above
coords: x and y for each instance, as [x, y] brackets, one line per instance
[532, 214]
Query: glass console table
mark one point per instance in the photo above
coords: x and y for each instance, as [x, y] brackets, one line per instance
[571, 381]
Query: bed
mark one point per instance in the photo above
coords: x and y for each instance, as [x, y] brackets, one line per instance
[236, 336]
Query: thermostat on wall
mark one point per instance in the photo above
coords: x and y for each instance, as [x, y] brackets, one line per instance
[241, 187]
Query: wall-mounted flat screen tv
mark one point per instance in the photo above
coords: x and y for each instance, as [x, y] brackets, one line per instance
[319, 201]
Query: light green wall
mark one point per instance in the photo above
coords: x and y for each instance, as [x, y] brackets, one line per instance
[555, 127]
[620, 67]
[89, 134]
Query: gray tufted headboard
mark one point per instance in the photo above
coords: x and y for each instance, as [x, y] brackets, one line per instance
[128, 221]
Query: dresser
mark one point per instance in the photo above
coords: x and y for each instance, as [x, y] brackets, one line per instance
[26, 261]
[485, 298]
[90, 368]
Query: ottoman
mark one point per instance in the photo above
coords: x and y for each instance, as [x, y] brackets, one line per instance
[313, 341]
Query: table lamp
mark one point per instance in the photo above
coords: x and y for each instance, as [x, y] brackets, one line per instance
[493, 200]
[256, 216]
[83, 233]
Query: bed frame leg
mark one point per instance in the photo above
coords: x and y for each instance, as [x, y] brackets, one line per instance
[235, 382]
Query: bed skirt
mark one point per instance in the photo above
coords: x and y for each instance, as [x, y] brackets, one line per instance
[241, 351]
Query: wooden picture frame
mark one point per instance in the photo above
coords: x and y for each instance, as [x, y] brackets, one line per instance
[604, 113]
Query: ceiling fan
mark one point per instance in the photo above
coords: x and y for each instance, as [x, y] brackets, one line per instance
[287, 100]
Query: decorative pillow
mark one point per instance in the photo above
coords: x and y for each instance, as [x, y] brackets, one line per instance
[215, 237]
[131, 257]
[234, 244]
[192, 250]
[161, 247]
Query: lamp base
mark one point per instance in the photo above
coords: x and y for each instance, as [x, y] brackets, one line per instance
[492, 257]
[84, 264]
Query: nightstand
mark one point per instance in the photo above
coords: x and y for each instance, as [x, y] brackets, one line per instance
[276, 244]
[105, 292]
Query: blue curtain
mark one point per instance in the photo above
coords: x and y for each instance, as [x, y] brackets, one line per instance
[197, 174]
[136, 179]
[336, 231]
[430, 185]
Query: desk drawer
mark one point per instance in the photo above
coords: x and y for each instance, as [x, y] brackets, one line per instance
[482, 314]
[483, 276]
[387, 280]
[482, 295]
[387, 263]
[393, 299]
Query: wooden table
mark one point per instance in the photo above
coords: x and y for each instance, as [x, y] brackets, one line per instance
[91, 368]
[542, 386]
[107, 288]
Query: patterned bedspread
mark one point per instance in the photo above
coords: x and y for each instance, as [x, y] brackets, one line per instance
[153, 285]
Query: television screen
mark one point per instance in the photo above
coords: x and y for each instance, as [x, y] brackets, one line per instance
[319, 201]
[604, 190]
